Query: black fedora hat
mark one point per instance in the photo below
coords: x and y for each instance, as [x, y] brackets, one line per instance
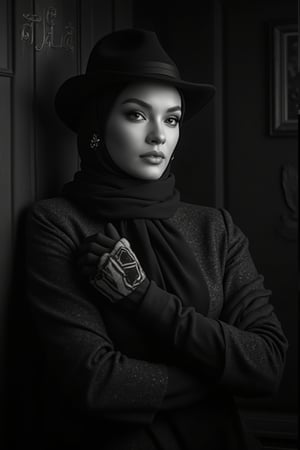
[124, 56]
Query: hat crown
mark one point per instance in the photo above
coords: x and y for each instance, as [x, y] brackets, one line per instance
[121, 57]
[125, 49]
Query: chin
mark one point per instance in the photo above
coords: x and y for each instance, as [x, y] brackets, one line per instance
[149, 175]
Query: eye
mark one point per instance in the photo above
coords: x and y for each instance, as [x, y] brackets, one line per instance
[135, 116]
[173, 121]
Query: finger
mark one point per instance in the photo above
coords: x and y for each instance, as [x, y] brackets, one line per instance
[112, 232]
[92, 247]
[104, 240]
[100, 239]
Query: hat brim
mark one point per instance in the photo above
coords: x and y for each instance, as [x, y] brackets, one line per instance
[75, 92]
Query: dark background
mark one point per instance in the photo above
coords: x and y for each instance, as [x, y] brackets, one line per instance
[226, 156]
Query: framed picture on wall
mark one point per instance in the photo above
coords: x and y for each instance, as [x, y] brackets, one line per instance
[284, 79]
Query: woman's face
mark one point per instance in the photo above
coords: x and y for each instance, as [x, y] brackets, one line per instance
[143, 129]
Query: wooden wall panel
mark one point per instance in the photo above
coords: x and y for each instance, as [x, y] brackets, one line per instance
[6, 229]
[23, 118]
[5, 222]
[96, 21]
[5, 182]
[218, 47]
[100, 18]
[5, 37]
[57, 57]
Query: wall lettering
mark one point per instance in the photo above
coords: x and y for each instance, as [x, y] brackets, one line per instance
[47, 23]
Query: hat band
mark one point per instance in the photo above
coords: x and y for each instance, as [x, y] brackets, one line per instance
[158, 67]
[145, 68]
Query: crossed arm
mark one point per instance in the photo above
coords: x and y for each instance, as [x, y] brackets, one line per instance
[243, 350]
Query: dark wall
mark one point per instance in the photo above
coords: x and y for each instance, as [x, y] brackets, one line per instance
[254, 162]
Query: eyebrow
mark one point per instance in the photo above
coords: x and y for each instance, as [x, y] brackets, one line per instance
[148, 106]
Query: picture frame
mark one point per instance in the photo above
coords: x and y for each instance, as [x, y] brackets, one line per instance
[284, 79]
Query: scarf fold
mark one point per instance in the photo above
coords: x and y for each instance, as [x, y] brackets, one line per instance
[116, 197]
[140, 210]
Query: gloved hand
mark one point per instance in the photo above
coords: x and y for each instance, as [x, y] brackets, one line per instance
[110, 264]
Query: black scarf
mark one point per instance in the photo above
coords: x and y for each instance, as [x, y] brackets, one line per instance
[140, 210]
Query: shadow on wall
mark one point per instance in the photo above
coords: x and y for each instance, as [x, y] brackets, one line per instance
[56, 148]
[21, 364]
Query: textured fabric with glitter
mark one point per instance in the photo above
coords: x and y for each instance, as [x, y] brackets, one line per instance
[154, 368]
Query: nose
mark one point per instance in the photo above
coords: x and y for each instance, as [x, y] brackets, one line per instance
[156, 135]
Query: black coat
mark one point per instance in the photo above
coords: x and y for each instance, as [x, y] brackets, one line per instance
[137, 375]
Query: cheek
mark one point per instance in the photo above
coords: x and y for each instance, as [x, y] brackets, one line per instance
[173, 140]
[122, 144]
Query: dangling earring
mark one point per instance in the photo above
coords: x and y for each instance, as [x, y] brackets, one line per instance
[94, 142]
[173, 157]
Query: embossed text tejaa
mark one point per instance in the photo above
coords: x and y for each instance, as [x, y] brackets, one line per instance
[40, 31]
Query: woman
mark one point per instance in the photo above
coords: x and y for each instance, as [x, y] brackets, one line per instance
[151, 313]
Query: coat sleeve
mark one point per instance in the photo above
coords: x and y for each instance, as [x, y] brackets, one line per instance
[244, 349]
[93, 374]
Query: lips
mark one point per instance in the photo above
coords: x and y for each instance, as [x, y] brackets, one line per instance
[153, 154]
[153, 158]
